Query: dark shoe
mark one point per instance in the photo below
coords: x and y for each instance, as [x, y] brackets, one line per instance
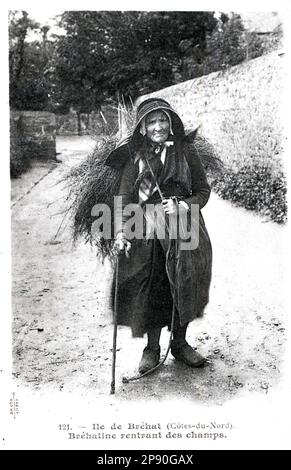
[150, 359]
[184, 353]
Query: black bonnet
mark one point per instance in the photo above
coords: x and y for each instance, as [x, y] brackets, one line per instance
[129, 144]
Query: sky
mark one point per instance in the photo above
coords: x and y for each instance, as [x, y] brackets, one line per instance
[44, 18]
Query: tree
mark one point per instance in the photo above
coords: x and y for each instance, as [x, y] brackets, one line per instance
[19, 24]
[230, 44]
[146, 47]
[28, 61]
[108, 54]
[76, 64]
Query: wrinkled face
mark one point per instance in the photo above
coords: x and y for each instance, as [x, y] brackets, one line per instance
[157, 126]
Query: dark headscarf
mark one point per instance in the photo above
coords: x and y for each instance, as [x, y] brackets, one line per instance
[176, 168]
[154, 104]
[131, 143]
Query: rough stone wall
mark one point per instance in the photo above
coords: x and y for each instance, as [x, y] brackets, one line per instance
[38, 132]
[238, 109]
[92, 123]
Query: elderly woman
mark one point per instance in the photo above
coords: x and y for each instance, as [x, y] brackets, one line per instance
[160, 284]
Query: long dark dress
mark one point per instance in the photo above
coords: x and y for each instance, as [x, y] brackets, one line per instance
[145, 294]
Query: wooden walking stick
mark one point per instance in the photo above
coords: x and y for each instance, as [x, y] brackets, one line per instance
[112, 392]
[121, 125]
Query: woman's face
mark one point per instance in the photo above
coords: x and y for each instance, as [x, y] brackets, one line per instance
[157, 126]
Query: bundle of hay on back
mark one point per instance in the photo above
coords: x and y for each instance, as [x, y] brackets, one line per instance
[93, 182]
[212, 164]
[207, 154]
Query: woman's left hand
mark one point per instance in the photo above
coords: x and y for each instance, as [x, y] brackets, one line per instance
[170, 206]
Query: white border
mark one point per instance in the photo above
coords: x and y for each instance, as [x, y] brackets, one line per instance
[261, 424]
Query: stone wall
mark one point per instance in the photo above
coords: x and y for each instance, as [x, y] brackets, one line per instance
[106, 119]
[38, 133]
[239, 109]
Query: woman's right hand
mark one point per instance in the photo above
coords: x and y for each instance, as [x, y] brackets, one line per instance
[121, 244]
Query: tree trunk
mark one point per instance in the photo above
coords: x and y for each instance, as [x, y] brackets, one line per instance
[79, 123]
[88, 122]
[20, 48]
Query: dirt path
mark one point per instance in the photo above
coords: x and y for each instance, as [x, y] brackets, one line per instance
[62, 336]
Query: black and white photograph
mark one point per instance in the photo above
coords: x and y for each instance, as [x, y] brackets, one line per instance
[144, 246]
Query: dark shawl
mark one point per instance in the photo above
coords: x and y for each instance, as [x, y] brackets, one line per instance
[146, 280]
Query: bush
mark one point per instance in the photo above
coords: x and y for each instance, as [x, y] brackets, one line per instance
[252, 151]
[257, 186]
[19, 159]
